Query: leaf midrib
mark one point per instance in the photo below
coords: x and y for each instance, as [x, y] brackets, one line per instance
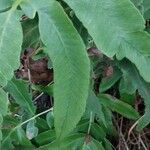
[71, 70]
[27, 104]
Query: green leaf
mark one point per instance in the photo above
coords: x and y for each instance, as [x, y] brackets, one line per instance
[45, 137]
[1, 136]
[147, 14]
[146, 4]
[41, 124]
[114, 30]
[31, 130]
[1, 121]
[93, 105]
[70, 62]
[118, 106]
[20, 136]
[129, 71]
[97, 132]
[127, 98]
[50, 119]
[107, 145]
[19, 90]
[139, 5]
[108, 82]
[137, 2]
[74, 140]
[3, 102]
[31, 33]
[93, 145]
[127, 86]
[71, 67]
[82, 126]
[46, 89]
[109, 129]
[142, 62]
[9, 123]
[30, 7]
[10, 44]
[4, 4]
[12, 136]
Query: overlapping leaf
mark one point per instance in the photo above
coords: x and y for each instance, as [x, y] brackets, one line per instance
[20, 92]
[30, 7]
[147, 14]
[10, 44]
[146, 4]
[45, 137]
[131, 73]
[108, 82]
[31, 33]
[93, 105]
[70, 62]
[118, 106]
[3, 108]
[138, 4]
[93, 145]
[3, 102]
[71, 68]
[31, 130]
[4, 4]
[115, 30]
[75, 140]
[1, 120]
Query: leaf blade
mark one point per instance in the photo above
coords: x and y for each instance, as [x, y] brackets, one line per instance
[68, 109]
[114, 27]
[20, 92]
[10, 28]
[118, 106]
[5, 4]
[143, 87]
[3, 102]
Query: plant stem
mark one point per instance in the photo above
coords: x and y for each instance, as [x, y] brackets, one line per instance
[91, 119]
[21, 124]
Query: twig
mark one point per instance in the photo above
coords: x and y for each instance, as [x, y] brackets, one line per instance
[38, 97]
[122, 136]
[124, 141]
[30, 82]
[132, 127]
[91, 118]
[21, 124]
[142, 143]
